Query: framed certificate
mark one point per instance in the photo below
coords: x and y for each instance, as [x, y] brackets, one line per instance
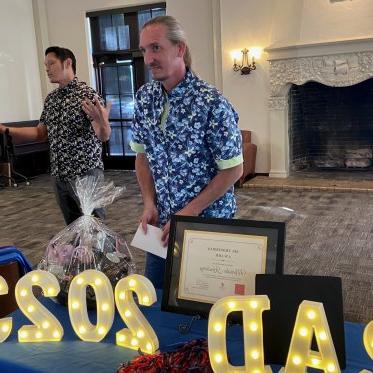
[212, 258]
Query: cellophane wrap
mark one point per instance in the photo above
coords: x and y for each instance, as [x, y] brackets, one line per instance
[88, 243]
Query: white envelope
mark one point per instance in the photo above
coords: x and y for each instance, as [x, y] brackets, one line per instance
[151, 241]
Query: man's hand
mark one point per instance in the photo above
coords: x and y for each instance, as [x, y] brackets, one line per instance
[215, 189]
[149, 216]
[166, 229]
[96, 111]
[24, 134]
[99, 114]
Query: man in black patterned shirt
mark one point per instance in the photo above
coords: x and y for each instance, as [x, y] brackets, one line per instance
[75, 122]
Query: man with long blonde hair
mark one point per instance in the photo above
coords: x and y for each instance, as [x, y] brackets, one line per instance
[186, 138]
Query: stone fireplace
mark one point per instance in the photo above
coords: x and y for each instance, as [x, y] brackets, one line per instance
[320, 71]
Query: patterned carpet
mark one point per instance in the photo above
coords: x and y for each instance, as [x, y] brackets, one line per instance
[330, 233]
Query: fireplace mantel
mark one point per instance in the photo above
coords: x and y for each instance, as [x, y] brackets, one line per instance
[278, 51]
[336, 64]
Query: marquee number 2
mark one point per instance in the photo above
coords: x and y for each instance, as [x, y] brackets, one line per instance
[46, 327]
[140, 334]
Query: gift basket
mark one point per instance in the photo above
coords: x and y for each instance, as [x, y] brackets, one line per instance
[87, 243]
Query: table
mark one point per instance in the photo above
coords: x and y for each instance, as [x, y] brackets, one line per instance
[73, 355]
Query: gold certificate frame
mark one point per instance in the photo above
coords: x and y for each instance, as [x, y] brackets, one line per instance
[212, 258]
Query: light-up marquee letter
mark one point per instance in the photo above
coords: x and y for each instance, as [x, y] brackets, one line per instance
[368, 339]
[78, 305]
[252, 308]
[311, 319]
[140, 334]
[46, 327]
[6, 322]
[368, 342]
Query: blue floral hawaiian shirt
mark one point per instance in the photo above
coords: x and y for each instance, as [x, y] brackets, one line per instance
[188, 135]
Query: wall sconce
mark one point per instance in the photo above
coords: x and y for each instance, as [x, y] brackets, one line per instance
[245, 67]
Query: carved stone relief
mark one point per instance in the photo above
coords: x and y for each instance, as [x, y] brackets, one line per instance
[338, 70]
[278, 103]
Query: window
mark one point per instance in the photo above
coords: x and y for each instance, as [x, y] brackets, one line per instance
[120, 71]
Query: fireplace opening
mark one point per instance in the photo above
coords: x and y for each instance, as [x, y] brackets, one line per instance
[331, 127]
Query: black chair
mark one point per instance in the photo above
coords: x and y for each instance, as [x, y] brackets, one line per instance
[4, 178]
[7, 157]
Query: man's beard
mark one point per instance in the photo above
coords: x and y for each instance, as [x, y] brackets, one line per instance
[160, 78]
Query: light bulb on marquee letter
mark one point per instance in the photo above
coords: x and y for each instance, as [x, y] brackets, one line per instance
[252, 308]
[47, 328]
[140, 334]
[78, 305]
[311, 319]
[6, 323]
[368, 339]
[368, 342]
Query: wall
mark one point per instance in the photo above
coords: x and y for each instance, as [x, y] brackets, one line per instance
[200, 33]
[20, 94]
[66, 23]
[246, 24]
[323, 20]
[66, 26]
[42, 42]
[270, 23]
[218, 28]
[286, 22]
[214, 27]
[315, 21]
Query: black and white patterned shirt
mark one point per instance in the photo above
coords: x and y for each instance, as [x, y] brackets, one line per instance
[74, 146]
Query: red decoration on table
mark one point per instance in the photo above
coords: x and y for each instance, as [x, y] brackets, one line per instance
[192, 357]
[239, 289]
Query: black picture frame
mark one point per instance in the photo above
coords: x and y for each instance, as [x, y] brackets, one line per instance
[286, 293]
[275, 239]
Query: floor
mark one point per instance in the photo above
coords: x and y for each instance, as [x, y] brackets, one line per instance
[338, 181]
[328, 232]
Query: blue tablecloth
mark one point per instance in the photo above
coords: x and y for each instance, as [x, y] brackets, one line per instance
[73, 355]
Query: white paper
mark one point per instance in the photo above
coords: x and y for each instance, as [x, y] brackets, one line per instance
[215, 265]
[151, 241]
